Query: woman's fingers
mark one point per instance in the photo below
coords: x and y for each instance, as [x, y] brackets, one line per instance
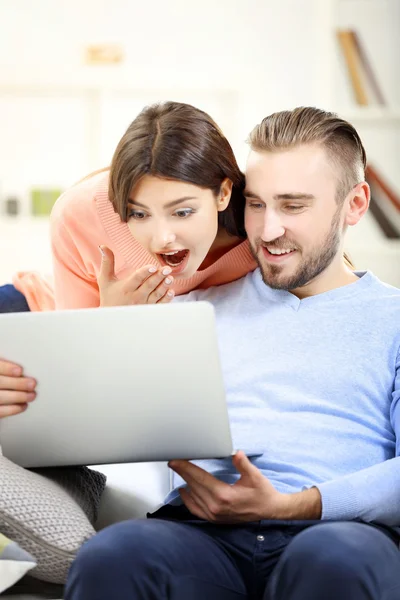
[147, 285]
[144, 280]
[168, 296]
[161, 290]
[107, 267]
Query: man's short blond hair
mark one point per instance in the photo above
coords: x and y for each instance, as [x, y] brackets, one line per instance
[309, 125]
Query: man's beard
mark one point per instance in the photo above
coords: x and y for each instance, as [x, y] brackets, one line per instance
[319, 259]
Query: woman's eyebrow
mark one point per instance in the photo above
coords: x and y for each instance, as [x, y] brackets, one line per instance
[168, 205]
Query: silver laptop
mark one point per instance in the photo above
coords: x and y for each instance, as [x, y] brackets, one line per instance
[126, 384]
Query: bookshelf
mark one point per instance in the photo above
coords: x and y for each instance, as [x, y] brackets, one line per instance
[376, 115]
[377, 24]
[89, 110]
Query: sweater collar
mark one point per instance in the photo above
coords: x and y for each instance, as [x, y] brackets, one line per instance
[365, 279]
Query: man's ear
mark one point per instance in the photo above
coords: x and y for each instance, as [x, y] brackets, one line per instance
[358, 202]
[224, 194]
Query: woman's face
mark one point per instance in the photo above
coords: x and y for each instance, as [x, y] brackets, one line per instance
[175, 221]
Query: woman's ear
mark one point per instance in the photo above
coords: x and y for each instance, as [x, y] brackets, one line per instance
[224, 194]
[358, 203]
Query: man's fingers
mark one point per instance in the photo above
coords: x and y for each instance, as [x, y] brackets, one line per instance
[202, 484]
[10, 369]
[9, 398]
[10, 411]
[195, 506]
[107, 267]
[244, 466]
[199, 480]
[25, 384]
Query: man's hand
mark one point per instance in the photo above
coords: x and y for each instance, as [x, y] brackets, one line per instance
[16, 391]
[251, 498]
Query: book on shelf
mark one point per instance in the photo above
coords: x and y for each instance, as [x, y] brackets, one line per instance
[384, 204]
[353, 65]
[367, 66]
[362, 76]
[373, 176]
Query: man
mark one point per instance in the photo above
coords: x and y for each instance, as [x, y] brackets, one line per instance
[310, 352]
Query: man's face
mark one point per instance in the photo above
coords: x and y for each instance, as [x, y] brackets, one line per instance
[292, 218]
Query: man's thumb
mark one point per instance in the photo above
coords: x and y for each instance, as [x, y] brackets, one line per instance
[107, 268]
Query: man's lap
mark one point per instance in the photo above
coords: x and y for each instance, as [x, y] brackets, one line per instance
[229, 562]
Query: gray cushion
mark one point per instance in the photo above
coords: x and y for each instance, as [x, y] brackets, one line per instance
[49, 513]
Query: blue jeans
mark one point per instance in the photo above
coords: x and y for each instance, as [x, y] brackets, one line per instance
[11, 300]
[177, 557]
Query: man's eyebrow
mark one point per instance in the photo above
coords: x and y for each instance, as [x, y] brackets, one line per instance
[249, 194]
[288, 196]
[294, 196]
[168, 205]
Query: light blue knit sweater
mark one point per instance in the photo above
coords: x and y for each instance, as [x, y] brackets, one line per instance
[313, 389]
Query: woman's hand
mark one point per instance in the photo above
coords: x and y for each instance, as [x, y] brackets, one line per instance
[16, 391]
[148, 285]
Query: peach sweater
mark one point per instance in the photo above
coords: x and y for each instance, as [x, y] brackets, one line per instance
[82, 219]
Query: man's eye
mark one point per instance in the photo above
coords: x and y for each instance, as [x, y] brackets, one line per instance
[294, 207]
[256, 205]
[183, 213]
[137, 214]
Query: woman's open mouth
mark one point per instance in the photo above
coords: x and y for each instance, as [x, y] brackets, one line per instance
[176, 259]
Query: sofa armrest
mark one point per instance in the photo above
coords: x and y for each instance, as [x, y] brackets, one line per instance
[133, 489]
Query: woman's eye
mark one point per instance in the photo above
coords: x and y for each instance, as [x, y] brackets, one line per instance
[137, 214]
[182, 213]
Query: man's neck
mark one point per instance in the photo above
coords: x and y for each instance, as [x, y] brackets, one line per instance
[335, 276]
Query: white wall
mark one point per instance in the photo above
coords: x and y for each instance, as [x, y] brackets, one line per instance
[237, 59]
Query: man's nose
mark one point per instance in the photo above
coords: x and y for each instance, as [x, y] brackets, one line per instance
[273, 227]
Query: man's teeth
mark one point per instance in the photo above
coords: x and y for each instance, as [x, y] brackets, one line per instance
[171, 253]
[280, 251]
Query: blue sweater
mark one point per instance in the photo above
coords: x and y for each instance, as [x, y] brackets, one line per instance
[313, 391]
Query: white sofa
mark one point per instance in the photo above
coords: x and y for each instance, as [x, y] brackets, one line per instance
[132, 491]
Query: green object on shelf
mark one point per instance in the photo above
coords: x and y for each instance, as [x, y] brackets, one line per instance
[43, 200]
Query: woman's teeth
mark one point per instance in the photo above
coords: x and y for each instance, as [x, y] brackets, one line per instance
[175, 258]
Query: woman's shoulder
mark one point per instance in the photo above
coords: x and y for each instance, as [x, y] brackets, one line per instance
[78, 202]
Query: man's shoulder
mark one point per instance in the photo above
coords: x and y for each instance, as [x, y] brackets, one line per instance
[218, 294]
[378, 310]
[379, 291]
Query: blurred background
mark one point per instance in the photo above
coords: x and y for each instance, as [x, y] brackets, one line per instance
[75, 73]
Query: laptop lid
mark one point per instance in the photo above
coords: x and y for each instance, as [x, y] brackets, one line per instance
[123, 384]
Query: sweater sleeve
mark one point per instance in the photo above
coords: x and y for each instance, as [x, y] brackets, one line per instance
[73, 285]
[372, 494]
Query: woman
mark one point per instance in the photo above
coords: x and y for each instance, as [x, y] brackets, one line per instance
[170, 152]
[167, 215]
